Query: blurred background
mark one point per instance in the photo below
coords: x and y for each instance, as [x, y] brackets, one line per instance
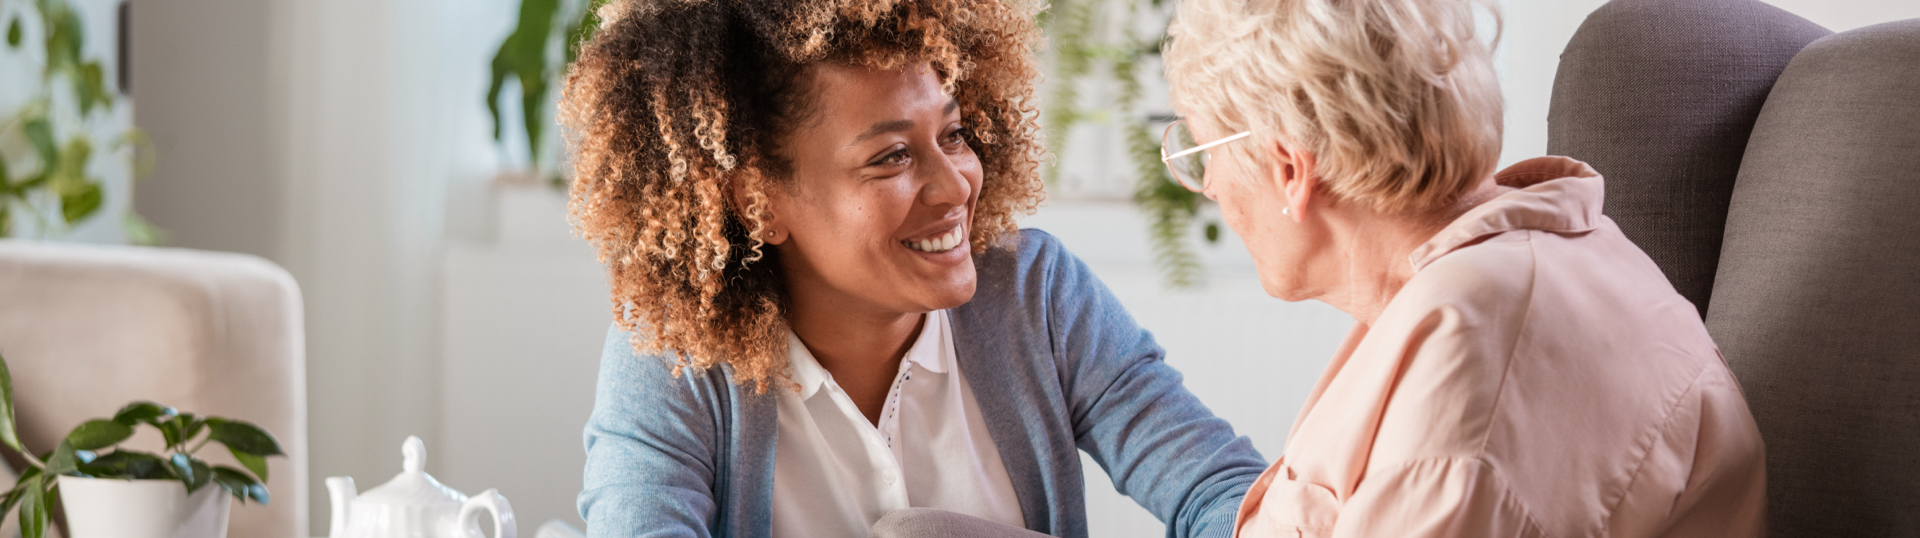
[351, 142]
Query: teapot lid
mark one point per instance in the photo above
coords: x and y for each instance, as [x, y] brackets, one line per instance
[413, 486]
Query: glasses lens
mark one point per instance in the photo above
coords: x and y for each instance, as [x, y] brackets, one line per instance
[1190, 169]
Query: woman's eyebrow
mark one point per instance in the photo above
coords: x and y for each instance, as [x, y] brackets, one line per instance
[894, 126]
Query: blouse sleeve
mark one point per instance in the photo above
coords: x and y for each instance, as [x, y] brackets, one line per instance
[650, 467]
[1160, 445]
[1435, 498]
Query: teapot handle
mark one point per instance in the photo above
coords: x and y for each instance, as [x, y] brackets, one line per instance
[489, 501]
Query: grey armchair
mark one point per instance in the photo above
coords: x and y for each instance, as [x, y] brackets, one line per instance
[1775, 171]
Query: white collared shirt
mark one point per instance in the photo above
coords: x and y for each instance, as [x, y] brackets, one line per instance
[835, 474]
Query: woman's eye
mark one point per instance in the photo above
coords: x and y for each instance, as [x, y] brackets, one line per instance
[896, 158]
[958, 136]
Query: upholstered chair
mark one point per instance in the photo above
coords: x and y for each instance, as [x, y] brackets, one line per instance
[1816, 304]
[86, 329]
[1659, 96]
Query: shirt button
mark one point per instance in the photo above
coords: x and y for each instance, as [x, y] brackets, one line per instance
[888, 477]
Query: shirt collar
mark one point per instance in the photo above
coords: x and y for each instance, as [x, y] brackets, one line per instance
[928, 352]
[1553, 194]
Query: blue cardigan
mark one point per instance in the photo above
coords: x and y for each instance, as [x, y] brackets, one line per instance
[1057, 364]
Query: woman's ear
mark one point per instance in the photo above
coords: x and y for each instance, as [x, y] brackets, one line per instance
[1294, 170]
[773, 232]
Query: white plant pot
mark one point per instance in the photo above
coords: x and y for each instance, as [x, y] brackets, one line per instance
[115, 508]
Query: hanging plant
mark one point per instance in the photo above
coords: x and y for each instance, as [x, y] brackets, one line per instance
[52, 181]
[1071, 27]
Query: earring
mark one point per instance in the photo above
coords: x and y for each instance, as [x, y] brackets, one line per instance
[1287, 211]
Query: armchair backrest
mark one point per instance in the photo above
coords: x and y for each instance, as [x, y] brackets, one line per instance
[1816, 306]
[1659, 96]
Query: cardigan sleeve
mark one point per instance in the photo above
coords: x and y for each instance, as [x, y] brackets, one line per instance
[1132, 414]
[650, 469]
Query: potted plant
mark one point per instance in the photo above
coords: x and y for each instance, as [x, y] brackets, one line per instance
[108, 491]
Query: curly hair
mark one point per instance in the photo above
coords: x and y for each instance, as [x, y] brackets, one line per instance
[675, 103]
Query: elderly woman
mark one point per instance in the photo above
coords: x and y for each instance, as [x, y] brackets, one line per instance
[1517, 367]
[823, 311]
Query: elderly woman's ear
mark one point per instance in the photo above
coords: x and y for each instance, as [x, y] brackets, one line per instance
[1292, 169]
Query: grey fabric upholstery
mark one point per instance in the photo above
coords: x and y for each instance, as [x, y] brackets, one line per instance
[934, 523]
[1659, 95]
[1817, 302]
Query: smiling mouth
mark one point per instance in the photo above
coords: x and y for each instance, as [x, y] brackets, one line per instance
[941, 243]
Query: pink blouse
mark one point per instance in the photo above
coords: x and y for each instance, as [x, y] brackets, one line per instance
[1538, 376]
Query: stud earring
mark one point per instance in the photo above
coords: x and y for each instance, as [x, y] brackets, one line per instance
[1287, 211]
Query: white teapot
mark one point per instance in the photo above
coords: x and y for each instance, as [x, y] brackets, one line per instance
[414, 505]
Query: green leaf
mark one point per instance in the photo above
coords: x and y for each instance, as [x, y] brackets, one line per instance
[8, 433]
[259, 493]
[169, 432]
[523, 56]
[63, 460]
[98, 433]
[138, 412]
[241, 436]
[91, 89]
[192, 472]
[33, 510]
[65, 35]
[13, 41]
[190, 427]
[77, 206]
[39, 132]
[238, 483]
[257, 464]
[128, 465]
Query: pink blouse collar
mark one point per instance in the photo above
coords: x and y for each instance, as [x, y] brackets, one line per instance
[1555, 194]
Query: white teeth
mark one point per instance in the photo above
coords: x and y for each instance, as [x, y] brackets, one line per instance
[942, 243]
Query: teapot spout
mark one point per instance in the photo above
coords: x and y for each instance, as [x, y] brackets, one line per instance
[341, 492]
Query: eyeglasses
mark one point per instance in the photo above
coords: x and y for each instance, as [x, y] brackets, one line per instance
[1186, 160]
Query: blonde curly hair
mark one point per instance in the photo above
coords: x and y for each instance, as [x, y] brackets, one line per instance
[675, 103]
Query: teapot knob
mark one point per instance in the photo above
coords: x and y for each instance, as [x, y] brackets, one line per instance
[413, 455]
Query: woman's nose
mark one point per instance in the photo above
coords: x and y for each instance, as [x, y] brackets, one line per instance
[946, 185]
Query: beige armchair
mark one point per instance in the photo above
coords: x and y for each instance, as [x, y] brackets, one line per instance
[87, 329]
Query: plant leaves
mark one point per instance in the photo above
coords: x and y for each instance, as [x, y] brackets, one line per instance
[127, 464]
[257, 464]
[13, 41]
[39, 132]
[190, 427]
[192, 472]
[33, 510]
[524, 56]
[62, 460]
[238, 483]
[90, 89]
[8, 434]
[241, 436]
[138, 412]
[98, 433]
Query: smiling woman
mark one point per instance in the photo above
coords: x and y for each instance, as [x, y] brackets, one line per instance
[818, 198]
